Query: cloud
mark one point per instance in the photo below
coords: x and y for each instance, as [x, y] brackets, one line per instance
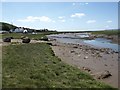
[62, 20]
[83, 3]
[79, 15]
[107, 26]
[33, 19]
[73, 4]
[91, 21]
[3, 0]
[109, 21]
[61, 17]
[53, 21]
[86, 3]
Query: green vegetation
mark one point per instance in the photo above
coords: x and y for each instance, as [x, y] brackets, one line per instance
[107, 32]
[6, 26]
[36, 66]
[31, 36]
[18, 35]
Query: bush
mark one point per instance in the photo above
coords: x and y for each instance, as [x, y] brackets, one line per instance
[44, 38]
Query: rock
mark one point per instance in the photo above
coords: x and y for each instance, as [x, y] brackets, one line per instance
[11, 37]
[97, 52]
[26, 40]
[100, 55]
[93, 54]
[101, 50]
[55, 45]
[86, 57]
[75, 47]
[8, 39]
[86, 69]
[44, 38]
[104, 75]
[49, 43]
[72, 51]
[107, 52]
[22, 37]
[105, 64]
[76, 53]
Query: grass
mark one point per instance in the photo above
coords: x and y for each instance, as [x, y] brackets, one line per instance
[18, 35]
[36, 66]
[31, 36]
[107, 32]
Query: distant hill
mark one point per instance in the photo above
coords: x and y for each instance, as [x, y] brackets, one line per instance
[6, 26]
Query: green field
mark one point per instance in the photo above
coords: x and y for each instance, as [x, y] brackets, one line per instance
[35, 66]
[18, 35]
[107, 32]
[31, 36]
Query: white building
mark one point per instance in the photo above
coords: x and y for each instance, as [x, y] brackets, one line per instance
[25, 31]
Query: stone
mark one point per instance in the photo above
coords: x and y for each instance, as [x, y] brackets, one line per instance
[22, 37]
[102, 50]
[104, 75]
[44, 38]
[11, 37]
[86, 69]
[107, 52]
[8, 39]
[72, 51]
[75, 47]
[26, 40]
[86, 57]
[105, 64]
[100, 55]
[49, 43]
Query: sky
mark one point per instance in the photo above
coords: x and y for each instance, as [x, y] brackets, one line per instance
[62, 16]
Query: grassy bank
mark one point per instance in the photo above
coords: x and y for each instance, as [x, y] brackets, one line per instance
[34, 65]
[31, 36]
[107, 32]
[18, 35]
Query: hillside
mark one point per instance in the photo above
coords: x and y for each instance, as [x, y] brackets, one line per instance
[6, 26]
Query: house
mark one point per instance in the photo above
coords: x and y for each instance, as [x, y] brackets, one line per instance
[2, 32]
[25, 31]
[19, 30]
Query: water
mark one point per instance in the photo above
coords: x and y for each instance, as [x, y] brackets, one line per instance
[104, 43]
[75, 39]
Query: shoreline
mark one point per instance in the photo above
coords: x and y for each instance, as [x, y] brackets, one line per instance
[93, 60]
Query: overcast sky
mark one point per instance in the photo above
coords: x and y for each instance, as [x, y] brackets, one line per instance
[62, 16]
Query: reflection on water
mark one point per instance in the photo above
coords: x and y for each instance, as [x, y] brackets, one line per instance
[101, 42]
[75, 39]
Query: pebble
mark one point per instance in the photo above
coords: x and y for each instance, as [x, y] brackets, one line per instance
[86, 69]
[86, 57]
[72, 51]
[75, 47]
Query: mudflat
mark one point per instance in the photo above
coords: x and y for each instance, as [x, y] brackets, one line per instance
[96, 61]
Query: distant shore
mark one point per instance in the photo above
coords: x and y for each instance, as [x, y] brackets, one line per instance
[92, 60]
[113, 38]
